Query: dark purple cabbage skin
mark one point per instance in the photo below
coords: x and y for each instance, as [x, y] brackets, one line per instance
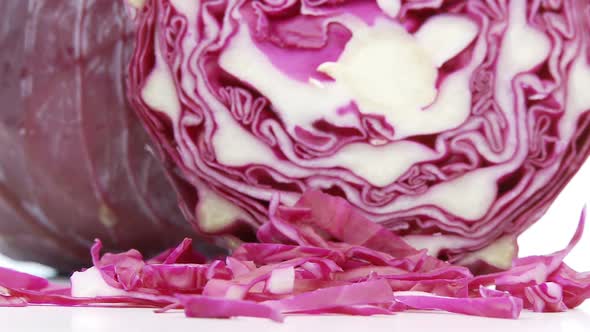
[75, 162]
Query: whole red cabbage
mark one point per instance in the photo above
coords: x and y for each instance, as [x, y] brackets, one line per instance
[452, 123]
[75, 163]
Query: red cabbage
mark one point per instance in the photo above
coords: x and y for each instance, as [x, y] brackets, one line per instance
[203, 306]
[497, 306]
[453, 124]
[75, 162]
[286, 120]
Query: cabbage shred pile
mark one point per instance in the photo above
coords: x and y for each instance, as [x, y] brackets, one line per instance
[319, 256]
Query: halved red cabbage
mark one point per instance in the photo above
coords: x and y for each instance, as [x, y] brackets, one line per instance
[453, 124]
[75, 162]
[292, 278]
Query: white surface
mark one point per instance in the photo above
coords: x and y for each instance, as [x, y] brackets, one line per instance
[49, 319]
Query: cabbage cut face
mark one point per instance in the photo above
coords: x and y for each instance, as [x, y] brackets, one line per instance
[452, 123]
[74, 164]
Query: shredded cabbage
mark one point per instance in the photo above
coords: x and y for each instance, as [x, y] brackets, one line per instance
[313, 265]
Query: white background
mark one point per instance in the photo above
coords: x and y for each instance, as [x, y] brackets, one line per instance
[551, 233]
